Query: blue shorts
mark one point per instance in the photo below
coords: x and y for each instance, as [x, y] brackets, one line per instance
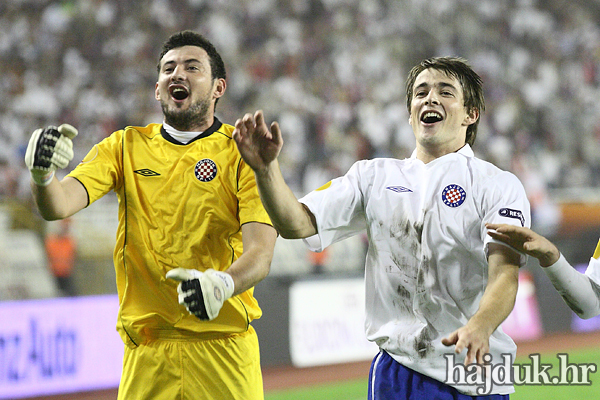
[390, 380]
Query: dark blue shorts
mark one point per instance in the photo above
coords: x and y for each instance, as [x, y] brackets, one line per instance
[390, 380]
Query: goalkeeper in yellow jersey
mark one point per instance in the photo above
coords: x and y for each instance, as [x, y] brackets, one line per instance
[581, 292]
[193, 237]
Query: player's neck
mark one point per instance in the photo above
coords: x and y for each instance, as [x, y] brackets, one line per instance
[427, 154]
[181, 136]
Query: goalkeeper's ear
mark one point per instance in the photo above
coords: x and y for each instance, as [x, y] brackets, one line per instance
[67, 130]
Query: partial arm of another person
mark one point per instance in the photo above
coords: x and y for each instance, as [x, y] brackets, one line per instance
[204, 293]
[496, 304]
[260, 145]
[579, 291]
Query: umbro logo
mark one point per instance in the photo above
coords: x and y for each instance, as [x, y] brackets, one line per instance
[398, 189]
[146, 172]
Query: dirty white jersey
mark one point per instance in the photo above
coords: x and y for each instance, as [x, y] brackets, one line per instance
[426, 266]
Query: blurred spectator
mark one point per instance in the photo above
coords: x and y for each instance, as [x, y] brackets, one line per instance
[61, 251]
[340, 62]
[331, 71]
[8, 180]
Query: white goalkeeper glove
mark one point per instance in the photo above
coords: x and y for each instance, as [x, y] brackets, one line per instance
[49, 149]
[202, 293]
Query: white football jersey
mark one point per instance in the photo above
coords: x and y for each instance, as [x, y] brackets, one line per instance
[426, 265]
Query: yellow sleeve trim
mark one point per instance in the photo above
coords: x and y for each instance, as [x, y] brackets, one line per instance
[597, 251]
[325, 186]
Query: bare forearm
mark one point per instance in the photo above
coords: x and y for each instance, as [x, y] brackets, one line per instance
[60, 199]
[50, 200]
[497, 302]
[290, 217]
[495, 305]
[255, 262]
[249, 269]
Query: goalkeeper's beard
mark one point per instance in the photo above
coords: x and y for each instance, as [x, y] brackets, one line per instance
[188, 119]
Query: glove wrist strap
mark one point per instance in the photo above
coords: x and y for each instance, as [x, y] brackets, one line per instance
[230, 283]
[42, 178]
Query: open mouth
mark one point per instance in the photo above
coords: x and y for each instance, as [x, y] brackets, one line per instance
[179, 92]
[431, 117]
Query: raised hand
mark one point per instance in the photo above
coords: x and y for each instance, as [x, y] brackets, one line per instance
[49, 149]
[258, 144]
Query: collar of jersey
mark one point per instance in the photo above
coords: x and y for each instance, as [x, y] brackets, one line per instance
[212, 129]
[466, 151]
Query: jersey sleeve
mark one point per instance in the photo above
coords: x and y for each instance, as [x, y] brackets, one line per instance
[251, 208]
[593, 269]
[338, 209]
[100, 171]
[505, 203]
[581, 292]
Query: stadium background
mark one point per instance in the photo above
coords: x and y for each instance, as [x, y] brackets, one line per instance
[332, 73]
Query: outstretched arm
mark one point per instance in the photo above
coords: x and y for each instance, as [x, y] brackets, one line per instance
[578, 290]
[496, 304]
[259, 146]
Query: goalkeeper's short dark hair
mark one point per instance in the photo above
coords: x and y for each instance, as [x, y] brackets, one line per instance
[191, 38]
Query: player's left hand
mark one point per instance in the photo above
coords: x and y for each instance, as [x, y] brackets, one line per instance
[202, 293]
[258, 144]
[475, 341]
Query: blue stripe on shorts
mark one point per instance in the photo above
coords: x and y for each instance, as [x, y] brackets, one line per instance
[390, 380]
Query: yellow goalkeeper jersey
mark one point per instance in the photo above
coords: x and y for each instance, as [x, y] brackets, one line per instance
[179, 206]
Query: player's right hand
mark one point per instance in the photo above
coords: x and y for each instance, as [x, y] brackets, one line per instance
[202, 293]
[49, 149]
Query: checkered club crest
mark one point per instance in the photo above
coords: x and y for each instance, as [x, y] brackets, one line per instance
[205, 170]
[453, 195]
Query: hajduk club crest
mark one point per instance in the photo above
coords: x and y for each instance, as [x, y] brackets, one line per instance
[205, 170]
[453, 195]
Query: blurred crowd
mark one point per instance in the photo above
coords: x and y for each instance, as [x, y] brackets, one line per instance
[331, 72]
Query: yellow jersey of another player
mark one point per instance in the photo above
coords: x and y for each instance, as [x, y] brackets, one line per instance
[179, 206]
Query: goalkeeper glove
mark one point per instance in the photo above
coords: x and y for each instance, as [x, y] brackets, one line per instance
[49, 149]
[202, 293]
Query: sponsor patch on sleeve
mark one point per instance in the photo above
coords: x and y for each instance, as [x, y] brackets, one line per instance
[510, 213]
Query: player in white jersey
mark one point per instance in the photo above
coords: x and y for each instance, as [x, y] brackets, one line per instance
[581, 292]
[434, 279]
